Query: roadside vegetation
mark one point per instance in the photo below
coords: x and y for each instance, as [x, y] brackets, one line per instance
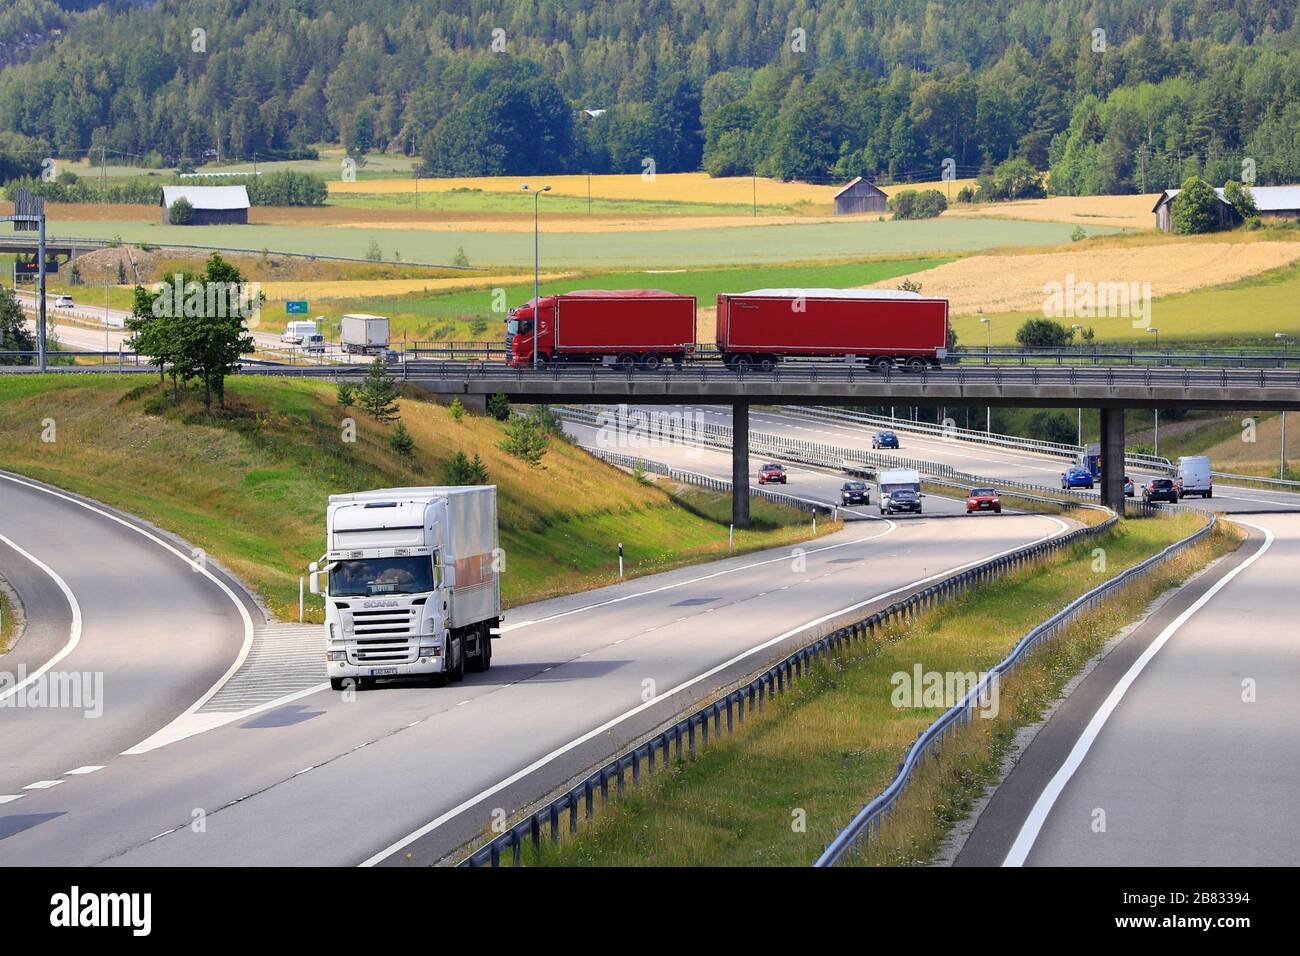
[8, 620]
[834, 741]
[249, 483]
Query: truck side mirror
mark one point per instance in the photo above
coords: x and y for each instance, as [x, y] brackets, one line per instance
[313, 578]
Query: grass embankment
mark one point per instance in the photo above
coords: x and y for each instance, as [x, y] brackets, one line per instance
[8, 621]
[835, 740]
[249, 485]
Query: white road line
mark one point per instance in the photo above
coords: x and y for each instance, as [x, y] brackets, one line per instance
[43, 785]
[609, 724]
[1033, 824]
[74, 632]
[83, 770]
[10, 797]
[225, 589]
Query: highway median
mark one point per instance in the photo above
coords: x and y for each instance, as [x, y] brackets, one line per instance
[791, 776]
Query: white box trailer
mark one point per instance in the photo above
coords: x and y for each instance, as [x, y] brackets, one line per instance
[411, 583]
[362, 333]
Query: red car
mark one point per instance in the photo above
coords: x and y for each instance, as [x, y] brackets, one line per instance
[769, 473]
[983, 499]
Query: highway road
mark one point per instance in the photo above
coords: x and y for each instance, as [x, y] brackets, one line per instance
[1179, 749]
[992, 462]
[123, 621]
[325, 778]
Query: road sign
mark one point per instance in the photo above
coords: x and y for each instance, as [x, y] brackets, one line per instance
[296, 307]
[28, 206]
[33, 268]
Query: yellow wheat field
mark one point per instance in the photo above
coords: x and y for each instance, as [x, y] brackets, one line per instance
[664, 187]
[366, 288]
[1018, 283]
[1127, 212]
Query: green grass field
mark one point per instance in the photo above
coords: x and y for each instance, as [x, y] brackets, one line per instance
[249, 486]
[833, 741]
[670, 249]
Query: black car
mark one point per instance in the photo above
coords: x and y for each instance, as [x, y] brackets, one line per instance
[900, 499]
[884, 440]
[1160, 489]
[855, 493]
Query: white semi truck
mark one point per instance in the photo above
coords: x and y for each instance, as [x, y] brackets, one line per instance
[411, 581]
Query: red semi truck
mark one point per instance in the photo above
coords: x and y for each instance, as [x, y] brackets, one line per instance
[882, 326]
[626, 328]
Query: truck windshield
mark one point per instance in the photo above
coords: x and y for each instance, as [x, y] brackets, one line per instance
[371, 576]
[515, 326]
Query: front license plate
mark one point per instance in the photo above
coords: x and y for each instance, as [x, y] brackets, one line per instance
[382, 671]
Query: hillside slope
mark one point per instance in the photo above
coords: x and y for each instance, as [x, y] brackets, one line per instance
[249, 486]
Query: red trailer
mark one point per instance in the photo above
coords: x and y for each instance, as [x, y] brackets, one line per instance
[626, 328]
[881, 326]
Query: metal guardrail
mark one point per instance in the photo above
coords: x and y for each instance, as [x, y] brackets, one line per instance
[692, 731]
[961, 714]
[972, 435]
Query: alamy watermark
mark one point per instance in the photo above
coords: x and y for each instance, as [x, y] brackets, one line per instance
[61, 690]
[929, 689]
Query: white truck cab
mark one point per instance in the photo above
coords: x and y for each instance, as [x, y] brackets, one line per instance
[411, 581]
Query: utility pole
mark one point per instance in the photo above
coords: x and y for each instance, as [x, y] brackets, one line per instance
[1281, 465]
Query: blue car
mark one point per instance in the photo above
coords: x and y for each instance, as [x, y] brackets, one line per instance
[884, 440]
[1076, 478]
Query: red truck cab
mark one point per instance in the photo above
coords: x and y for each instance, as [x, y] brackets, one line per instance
[624, 328]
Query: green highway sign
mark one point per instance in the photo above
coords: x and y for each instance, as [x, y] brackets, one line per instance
[296, 307]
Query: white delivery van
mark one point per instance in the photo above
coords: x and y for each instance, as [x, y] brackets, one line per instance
[297, 331]
[900, 490]
[411, 583]
[1192, 476]
[364, 334]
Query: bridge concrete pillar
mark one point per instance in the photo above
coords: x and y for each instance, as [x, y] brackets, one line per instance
[1112, 458]
[740, 464]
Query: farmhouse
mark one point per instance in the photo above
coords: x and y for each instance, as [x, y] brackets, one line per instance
[860, 196]
[213, 205]
[1274, 203]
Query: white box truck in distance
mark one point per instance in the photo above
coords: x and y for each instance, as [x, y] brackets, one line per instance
[411, 583]
[298, 331]
[363, 333]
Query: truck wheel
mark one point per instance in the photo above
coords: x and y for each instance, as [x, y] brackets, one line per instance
[741, 363]
[766, 363]
[483, 659]
[625, 362]
[652, 362]
[338, 683]
[915, 364]
[881, 364]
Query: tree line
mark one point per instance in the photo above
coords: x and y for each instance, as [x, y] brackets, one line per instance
[1125, 96]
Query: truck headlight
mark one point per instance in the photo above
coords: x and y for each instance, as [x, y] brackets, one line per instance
[430, 650]
[336, 656]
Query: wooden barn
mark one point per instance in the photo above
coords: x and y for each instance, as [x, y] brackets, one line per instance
[213, 205]
[860, 196]
[1275, 204]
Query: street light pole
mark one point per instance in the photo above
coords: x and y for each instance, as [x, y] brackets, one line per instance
[537, 259]
[988, 348]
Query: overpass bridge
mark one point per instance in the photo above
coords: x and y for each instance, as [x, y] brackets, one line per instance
[1109, 388]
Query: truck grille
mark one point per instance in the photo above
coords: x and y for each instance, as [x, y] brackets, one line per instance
[385, 635]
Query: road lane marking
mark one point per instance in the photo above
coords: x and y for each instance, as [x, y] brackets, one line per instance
[74, 632]
[660, 698]
[43, 785]
[1033, 824]
[10, 797]
[188, 559]
[83, 770]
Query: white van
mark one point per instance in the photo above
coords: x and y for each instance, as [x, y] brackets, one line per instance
[1193, 477]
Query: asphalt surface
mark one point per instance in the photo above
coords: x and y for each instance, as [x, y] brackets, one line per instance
[402, 768]
[1161, 757]
[136, 638]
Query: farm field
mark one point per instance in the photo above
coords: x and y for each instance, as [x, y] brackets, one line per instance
[697, 247]
[1016, 283]
[1246, 312]
[1126, 212]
